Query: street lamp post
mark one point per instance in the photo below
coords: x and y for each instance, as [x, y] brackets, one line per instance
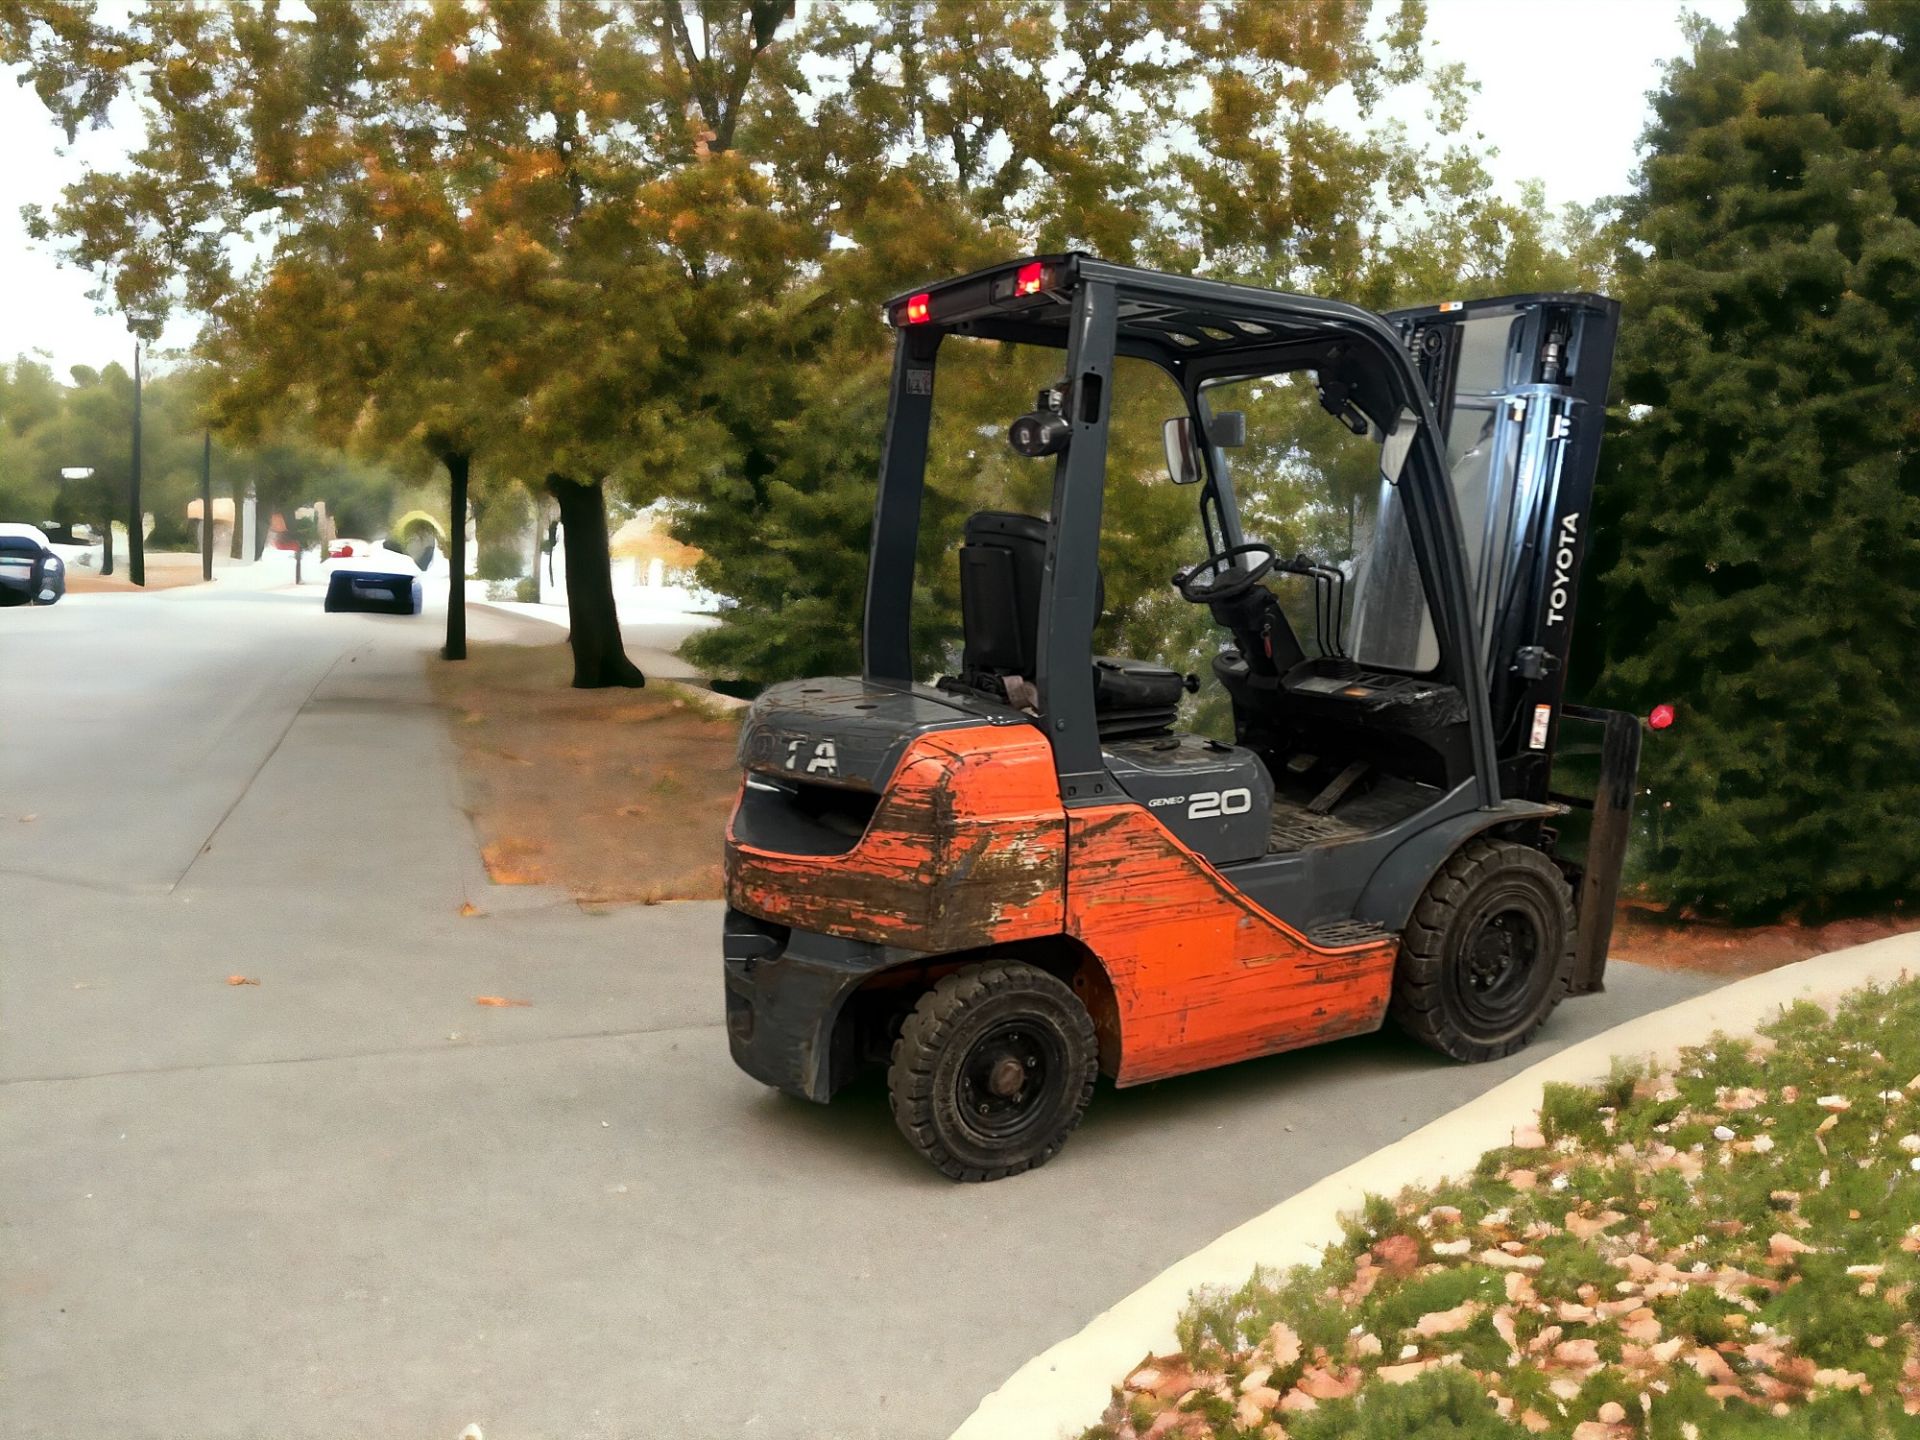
[136, 548]
[206, 508]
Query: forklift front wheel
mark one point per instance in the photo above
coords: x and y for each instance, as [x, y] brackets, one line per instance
[992, 1070]
[1487, 952]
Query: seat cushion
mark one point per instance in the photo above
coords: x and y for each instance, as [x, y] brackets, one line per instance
[1134, 685]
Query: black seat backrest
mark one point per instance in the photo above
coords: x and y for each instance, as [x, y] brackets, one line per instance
[1002, 559]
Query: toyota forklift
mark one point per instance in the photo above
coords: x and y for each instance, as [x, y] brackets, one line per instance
[1004, 883]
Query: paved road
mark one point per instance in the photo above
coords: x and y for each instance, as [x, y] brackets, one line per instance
[349, 1201]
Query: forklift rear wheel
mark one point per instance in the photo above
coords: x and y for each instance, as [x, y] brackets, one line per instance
[1487, 954]
[992, 1070]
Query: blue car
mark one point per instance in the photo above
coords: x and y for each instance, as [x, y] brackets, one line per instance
[383, 583]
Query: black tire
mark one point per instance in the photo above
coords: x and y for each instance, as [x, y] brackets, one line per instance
[1487, 953]
[993, 1070]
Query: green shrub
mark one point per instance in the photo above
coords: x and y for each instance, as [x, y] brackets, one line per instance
[500, 562]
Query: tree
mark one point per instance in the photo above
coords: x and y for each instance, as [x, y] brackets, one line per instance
[1759, 514]
[30, 399]
[1196, 138]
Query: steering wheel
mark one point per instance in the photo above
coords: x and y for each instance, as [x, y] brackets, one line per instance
[1216, 578]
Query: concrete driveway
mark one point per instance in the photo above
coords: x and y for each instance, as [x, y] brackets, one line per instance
[349, 1201]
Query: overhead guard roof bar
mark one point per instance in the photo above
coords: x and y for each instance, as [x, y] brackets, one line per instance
[1153, 315]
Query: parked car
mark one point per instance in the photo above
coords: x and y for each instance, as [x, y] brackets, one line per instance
[381, 582]
[30, 572]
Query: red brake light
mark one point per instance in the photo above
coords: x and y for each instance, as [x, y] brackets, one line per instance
[1031, 279]
[1660, 717]
[919, 309]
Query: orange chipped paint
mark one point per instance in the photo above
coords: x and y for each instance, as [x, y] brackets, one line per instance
[1201, 975]
[967, 847]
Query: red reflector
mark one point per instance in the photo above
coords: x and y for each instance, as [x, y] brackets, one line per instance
[919, 311]
[1660, 717]
[1030, 279]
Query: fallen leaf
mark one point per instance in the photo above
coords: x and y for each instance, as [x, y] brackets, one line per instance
[1781, 1245]
[1398, 1254]
[469, 908]
[241, 980]
[1577, 1352]
[28, 819]
[1285, 1345]
[1447, 1322]
[498, 1000]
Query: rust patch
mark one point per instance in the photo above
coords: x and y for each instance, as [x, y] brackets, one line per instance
[966, 848]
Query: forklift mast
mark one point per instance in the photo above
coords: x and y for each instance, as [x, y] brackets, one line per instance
[1519, 388]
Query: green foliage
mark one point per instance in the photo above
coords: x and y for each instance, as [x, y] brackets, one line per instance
[937, 148]
[644, 245]
[1569, 1110]
[1689, 1236]
[1758, 518]
[47, 426]
[500, 562]
[1447, 1403]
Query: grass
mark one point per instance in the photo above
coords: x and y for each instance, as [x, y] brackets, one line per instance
[1727, 1249]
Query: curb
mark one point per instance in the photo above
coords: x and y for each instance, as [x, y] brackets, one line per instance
[1062, 1390]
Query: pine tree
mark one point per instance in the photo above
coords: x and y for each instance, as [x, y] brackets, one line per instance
[1759, 515]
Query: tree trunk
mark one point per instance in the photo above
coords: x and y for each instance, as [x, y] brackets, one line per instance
[456, 646]
[599, 659]
[106, 547]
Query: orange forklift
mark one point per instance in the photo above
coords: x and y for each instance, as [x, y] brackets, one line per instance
[1006, 882]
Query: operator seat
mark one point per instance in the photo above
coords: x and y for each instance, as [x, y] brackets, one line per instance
[1002, 559]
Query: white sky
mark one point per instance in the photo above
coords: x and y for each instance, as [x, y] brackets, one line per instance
[1563, 96]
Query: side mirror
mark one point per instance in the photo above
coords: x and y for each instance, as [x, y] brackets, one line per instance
[1397, 444]
[1184, 466]
[1229, 429]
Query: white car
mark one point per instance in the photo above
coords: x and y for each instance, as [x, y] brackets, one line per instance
[30, 572]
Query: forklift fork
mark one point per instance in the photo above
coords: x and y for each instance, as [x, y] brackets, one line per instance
[1612, 807]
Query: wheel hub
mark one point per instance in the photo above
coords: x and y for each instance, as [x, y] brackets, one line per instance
[1004, 1076]
[1499, 967]
[1007, 1076]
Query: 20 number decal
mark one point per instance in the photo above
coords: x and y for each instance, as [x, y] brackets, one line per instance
[1215, 803]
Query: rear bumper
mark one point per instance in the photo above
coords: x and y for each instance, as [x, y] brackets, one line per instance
[373, 593]
[785, 990]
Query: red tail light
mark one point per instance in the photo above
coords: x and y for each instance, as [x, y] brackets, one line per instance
[1660, 717]
[1031, 279]
[919, 309]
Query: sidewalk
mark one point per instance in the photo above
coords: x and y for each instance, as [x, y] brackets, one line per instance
[651, 636]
